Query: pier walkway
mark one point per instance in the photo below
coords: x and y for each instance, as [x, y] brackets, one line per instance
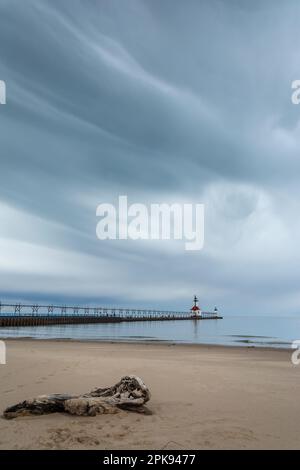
[17, 314]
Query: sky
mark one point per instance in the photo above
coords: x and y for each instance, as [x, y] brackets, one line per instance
[162, 101]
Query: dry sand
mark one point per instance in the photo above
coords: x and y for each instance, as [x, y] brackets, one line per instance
[202, 397]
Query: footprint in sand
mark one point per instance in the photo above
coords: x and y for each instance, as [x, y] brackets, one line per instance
[232, 433]
[65, 437]
[119, 435]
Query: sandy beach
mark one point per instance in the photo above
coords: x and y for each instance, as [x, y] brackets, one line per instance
[203, 397]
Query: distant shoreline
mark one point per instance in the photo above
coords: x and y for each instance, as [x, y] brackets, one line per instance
[149, 342]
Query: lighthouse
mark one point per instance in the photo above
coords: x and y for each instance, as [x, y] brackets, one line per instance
[196, 310]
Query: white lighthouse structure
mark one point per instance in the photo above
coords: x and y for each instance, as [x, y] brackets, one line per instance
[196, 310]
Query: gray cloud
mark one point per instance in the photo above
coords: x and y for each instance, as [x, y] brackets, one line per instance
[161, 101]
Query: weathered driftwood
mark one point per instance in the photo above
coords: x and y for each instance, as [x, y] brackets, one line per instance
[130, 393]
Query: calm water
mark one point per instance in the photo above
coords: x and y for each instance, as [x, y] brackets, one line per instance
[276, 332]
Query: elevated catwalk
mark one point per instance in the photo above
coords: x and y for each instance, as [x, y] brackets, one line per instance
[34, 315]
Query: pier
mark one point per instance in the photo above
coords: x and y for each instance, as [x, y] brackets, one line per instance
[17, 314]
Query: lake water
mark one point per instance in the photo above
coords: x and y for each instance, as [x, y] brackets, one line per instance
[270, 331]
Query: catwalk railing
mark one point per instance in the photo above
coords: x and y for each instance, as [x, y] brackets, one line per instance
[17, 314]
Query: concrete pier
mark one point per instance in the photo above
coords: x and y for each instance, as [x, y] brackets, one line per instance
[38, 315]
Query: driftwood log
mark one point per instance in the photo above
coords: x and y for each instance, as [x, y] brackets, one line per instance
[130, 394]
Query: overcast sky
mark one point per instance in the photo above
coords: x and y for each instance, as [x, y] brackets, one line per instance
[164, 101]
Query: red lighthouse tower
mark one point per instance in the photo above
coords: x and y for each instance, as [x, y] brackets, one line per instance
[195, 310]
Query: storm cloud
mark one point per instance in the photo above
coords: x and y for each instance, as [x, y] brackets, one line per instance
[163, 101]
